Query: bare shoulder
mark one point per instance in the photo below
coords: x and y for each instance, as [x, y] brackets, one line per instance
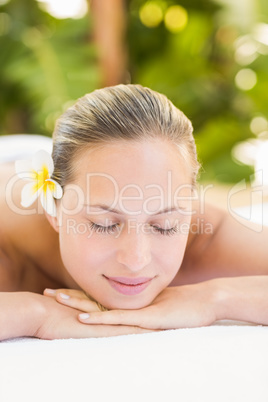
[26, 237]
[9, 269]
[220, 245]
[14, 219]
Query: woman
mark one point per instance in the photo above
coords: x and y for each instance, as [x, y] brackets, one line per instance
[128, 233]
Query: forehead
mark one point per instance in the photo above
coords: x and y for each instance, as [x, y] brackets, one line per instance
[141, 163]
[150, 171]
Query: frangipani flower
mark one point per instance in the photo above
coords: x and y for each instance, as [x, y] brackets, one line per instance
[38, 172]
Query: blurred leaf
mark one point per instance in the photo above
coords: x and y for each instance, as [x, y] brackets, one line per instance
[45, 63]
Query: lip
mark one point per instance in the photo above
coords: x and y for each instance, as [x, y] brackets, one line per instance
[129, 286]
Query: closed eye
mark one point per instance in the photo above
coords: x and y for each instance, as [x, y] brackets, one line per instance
[166, 232]
[104, 229]
[114, 228]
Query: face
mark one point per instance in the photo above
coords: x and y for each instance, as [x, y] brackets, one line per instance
[124, 221]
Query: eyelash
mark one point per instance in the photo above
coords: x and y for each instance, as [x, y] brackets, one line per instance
[103, 229]
[112, 228]
[166, 232]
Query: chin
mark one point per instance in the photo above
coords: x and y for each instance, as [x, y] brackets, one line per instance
[128, 304]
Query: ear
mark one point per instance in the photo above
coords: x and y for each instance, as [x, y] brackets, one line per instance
[53, 220]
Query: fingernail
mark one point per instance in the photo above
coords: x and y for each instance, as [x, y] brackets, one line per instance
[50, 291]
[64, 296]
[84, 316]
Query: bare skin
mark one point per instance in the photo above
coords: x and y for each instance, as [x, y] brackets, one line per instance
[30, 262]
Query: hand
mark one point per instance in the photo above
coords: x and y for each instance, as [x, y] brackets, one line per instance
[74, 298]
[175, 307]
[57, 322]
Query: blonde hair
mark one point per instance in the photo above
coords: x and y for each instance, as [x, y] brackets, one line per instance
[122, 112]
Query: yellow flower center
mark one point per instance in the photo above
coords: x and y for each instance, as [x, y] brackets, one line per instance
[49, 185]
[40, 179]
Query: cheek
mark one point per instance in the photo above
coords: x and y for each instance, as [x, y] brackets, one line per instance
[81, 252]
[170, 255]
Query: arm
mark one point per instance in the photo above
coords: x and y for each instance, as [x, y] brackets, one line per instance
[31, 314]
[243, 299]
[18, 315]
[196, 305]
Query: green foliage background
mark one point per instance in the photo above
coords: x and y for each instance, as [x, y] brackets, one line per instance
[47, 63]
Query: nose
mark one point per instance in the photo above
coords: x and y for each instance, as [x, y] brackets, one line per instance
[134, 251]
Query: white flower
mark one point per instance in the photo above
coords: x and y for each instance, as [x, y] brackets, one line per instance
[38, 172]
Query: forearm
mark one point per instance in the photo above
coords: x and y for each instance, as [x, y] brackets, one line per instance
[19, 314]
[242, 298]
[195, 305]
[31, 314]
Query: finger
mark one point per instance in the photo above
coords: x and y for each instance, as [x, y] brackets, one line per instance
[70, 292]
[50, 293]
[142, 318]
[83, 304]
[66, 294]
[73, 298]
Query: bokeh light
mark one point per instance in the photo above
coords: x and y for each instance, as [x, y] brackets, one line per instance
[246, 50]
[65, 8]
[151, 14]
[246, 79]
[244, 152]
[261, 33]
[176, 18]
[258, 124]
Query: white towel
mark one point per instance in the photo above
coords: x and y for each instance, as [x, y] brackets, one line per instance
[219, 363]
[22, 146]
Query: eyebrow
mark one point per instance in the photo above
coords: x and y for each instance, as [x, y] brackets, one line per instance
[116, 211]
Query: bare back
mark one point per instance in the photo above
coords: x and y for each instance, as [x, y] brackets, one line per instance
[29, 251]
